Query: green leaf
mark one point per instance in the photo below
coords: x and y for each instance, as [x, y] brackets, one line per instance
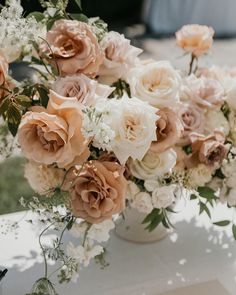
[78, 2]
[13, 114]
[13, 128]
[23, 100]
[4, 106]
[151, 215]
[204, 208]
[43, 93]
[222, 223]
[234, 230]
[39, 16]
[206, 192]
[80, 17]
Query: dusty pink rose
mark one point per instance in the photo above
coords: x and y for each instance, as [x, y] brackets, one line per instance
[98, 191]
[54, 136]
[169, 130]
[120, 56]
[205, 92]
[195, 39]
[74, 48]
[209, 150]
[80, 88]
[192, 119]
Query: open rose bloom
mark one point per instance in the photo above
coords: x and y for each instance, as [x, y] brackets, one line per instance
[103, 130]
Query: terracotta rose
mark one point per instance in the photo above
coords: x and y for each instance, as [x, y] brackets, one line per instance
[98, 191]
[74, 48]
[168, 131]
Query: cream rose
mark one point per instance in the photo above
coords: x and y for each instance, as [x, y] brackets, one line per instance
[42, 178]
[199, 175]
[153, 164]
[98, 191]
[120, 56]
[192, 119]
[133, 122]
[215, 120]
[73, 47]
[54, 137]
[157, 83]
[168, 130]
[80, 88]
[195, 39]
[205, 92]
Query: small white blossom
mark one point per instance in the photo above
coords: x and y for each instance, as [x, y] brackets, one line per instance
[142, 202]
[78, 229]
[164, 196]
[100, 232]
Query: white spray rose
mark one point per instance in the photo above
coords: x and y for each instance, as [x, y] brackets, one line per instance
[157, 83]
[100, 232]
[142, 201]
[163, 197]
[42, 178]
[153, 164]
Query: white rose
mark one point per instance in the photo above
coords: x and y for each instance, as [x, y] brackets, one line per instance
[153, 164]
[134, 124]
[215, 120]
[163, 197]
[151, 184]
[142, 202]
[231, 197]
[200, 175]
[157, 83]
[120, 56]
[132, 190]
[100, 232]
[42, 178]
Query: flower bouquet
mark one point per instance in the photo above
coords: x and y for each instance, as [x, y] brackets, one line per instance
[104, 131]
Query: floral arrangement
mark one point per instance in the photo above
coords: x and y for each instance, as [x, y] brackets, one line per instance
[104, 130]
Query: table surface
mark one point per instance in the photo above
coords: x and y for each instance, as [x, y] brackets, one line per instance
[195, 252]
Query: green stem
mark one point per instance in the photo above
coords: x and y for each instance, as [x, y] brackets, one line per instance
[86, 233]
[191, 64]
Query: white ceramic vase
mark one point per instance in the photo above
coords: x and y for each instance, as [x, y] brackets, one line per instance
[129, 227]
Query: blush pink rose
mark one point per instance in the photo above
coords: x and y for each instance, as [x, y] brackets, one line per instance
[209, 150]
[120, 56]
[195, 39]
[73, 47]
[98, 191]
[205, 92]
[192, 119]
[80, 88]
[54, 136]
[168, 130]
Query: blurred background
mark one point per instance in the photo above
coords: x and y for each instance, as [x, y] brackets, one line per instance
[150, 24]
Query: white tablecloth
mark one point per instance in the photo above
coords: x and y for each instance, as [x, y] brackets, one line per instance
[195, 252]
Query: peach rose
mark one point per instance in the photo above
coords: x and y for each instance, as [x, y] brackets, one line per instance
[195, 39]
[54, 137]
[205, 92]
[192, 119]
[168, 131]
[4, 82]
[98, 191]
[74, 47]
[81, 88]
[120, 56]
[208, 150]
